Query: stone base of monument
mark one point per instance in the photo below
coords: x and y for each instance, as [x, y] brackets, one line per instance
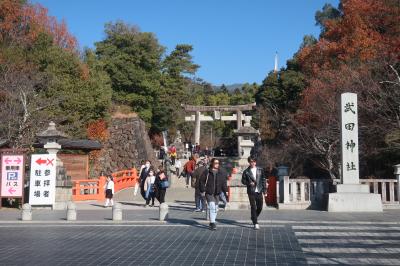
[354, 198]
[294, 205]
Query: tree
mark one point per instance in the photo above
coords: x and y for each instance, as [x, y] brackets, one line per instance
[43, 78]
[132, 59]
[328, 13]
[356, 53]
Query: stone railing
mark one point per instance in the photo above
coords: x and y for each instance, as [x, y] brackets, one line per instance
[387, 188]
[303, 193]
[296, 193]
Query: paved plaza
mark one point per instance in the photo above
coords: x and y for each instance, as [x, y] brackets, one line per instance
[285, 238]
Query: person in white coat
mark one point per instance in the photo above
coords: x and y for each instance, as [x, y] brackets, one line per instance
[178, 166]
[109, 190]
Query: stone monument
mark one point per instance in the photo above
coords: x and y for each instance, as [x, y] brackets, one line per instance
[351, 196]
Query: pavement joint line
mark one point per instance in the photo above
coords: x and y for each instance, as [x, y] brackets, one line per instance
[322, 223]
[126, 225]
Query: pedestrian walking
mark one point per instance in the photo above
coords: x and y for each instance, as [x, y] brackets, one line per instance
[198, 199]
[161, 184]
[144, 173]
[109, 191]
[172, 154]
[254, 178]
[212, 182]
[189, 168]
[178, 165]
[149, 188]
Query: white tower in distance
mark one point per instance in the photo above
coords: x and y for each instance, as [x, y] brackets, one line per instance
[276, 63]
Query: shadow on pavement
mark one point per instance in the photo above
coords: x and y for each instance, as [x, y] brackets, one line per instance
[181, 208]
[184, 202]
[97, 205]
[233, 222]
[132, 203]
[186, 222]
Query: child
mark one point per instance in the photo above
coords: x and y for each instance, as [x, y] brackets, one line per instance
[149, 188]
[109, 190]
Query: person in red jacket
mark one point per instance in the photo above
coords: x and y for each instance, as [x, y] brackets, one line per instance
[189, 169]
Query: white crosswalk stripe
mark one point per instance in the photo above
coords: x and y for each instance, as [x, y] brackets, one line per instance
[350, 244]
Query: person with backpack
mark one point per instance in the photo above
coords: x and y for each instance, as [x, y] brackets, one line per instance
[161, 184]
[254, 178]
[212, 182]
[189, 168]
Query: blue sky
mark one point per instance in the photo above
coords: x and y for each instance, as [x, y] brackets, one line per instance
[234, 40]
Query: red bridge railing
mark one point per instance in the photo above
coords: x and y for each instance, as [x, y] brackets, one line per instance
[93, 189]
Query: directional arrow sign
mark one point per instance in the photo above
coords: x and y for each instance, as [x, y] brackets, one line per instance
[11, 190]
[40, 161]
[12, 175]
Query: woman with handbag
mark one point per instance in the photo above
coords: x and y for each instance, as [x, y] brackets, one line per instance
[149, 187]
[161, 184]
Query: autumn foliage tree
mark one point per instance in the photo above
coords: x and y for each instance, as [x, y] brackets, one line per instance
[43, 77]
[22, 23]
[358, 52]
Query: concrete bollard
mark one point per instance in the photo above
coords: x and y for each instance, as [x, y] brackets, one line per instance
[117, 212]
[71, 211]
[26, 212]
[163, 211]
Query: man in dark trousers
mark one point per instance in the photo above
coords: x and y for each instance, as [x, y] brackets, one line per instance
[198, 199]
[254, 178]
[212, 182]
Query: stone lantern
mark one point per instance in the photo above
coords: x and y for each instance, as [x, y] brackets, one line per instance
[50, 138]
[246, 136]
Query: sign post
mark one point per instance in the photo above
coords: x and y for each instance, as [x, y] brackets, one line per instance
[12, 176]
[42, 186]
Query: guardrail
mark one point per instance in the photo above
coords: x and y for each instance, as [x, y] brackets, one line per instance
[387, 188]
[93, 189]
[296, 190]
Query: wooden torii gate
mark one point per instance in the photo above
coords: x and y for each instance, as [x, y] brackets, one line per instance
[198, 117]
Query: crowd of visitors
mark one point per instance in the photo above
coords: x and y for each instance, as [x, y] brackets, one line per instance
[208, 179]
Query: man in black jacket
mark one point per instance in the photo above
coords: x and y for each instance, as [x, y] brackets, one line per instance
[254, 178]
[212, 182]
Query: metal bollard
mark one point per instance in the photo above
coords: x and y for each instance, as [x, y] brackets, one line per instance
[26, 212]
[163, 211]
[117, 212]
[71, 211]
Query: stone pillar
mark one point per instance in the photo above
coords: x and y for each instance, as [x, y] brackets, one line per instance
[71, 211]
[397, 175]
[26, 212]
[197, 128]
[163, 211]
[351, 196]
[117, 212]
[238, 126]
[239, 119]
[286, 194]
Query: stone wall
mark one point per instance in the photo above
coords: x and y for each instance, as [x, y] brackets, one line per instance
[127, 145]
